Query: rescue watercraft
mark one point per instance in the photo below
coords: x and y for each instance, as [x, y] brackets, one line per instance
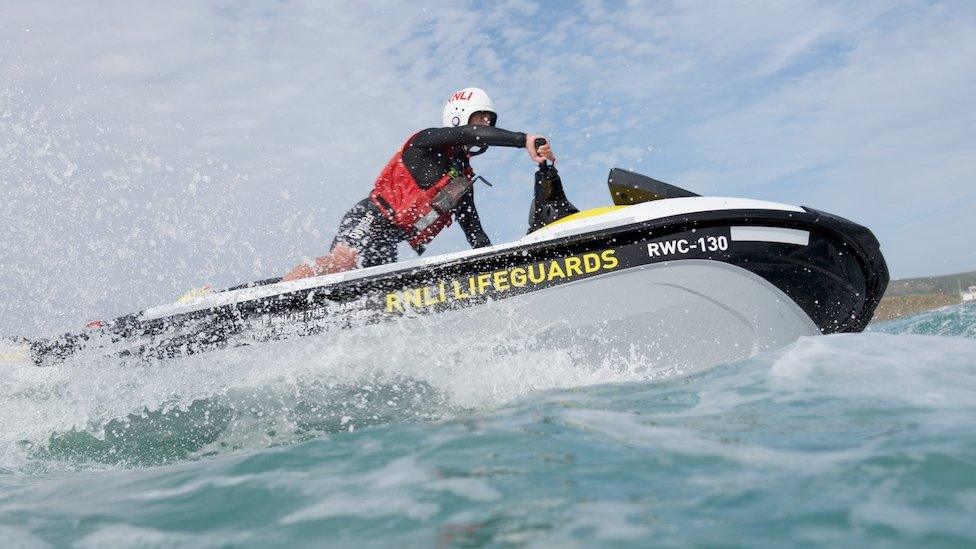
[679, 277]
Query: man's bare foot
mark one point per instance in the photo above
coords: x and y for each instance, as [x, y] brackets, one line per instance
[301, 271]
[341, 258]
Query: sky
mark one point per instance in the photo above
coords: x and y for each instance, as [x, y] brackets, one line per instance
[147, 148]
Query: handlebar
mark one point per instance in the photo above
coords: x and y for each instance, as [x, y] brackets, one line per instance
[540, 141]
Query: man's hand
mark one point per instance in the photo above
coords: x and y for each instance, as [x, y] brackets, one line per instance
[541, 154]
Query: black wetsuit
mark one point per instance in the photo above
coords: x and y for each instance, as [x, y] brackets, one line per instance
[427, 158]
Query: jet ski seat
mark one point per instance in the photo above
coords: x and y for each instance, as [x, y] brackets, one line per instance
[628, 188]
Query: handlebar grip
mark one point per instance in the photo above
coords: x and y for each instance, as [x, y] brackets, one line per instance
[540, 141]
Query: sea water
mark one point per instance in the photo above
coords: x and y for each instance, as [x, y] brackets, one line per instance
[846, 440]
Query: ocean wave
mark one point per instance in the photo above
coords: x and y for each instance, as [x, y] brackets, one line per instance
[859, 438]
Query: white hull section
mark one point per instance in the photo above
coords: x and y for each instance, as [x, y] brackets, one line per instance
[686, 314]
[624, 216]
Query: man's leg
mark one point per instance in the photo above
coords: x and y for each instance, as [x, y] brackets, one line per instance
[365, 238]
[353, 236]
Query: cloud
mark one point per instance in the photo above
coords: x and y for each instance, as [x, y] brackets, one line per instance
[887, 127]
[147, 148]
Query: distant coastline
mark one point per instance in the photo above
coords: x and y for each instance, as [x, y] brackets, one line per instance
[911, 296]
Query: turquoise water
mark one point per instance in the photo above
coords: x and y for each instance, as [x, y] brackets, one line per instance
[866, 439]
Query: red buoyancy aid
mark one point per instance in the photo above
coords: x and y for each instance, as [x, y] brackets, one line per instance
[407, 205]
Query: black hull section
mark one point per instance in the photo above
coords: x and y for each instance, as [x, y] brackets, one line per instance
[837, 279]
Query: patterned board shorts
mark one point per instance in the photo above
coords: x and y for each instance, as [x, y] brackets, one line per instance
[365, 229]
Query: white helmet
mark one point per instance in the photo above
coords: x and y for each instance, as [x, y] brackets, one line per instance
[464, 103]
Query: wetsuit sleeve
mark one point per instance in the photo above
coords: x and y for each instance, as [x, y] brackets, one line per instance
[467, 217]
[468, 135]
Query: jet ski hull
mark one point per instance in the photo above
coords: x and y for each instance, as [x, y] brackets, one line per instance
[723, 283]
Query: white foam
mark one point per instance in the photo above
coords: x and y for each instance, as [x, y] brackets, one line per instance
[263, 384]
[383, 492]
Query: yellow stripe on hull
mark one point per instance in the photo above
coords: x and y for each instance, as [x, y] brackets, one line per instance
[592, 212]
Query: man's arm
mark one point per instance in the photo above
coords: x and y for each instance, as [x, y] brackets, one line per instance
[468, 135]
[467, 217]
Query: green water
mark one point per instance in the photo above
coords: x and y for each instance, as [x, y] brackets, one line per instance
[866, 439]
